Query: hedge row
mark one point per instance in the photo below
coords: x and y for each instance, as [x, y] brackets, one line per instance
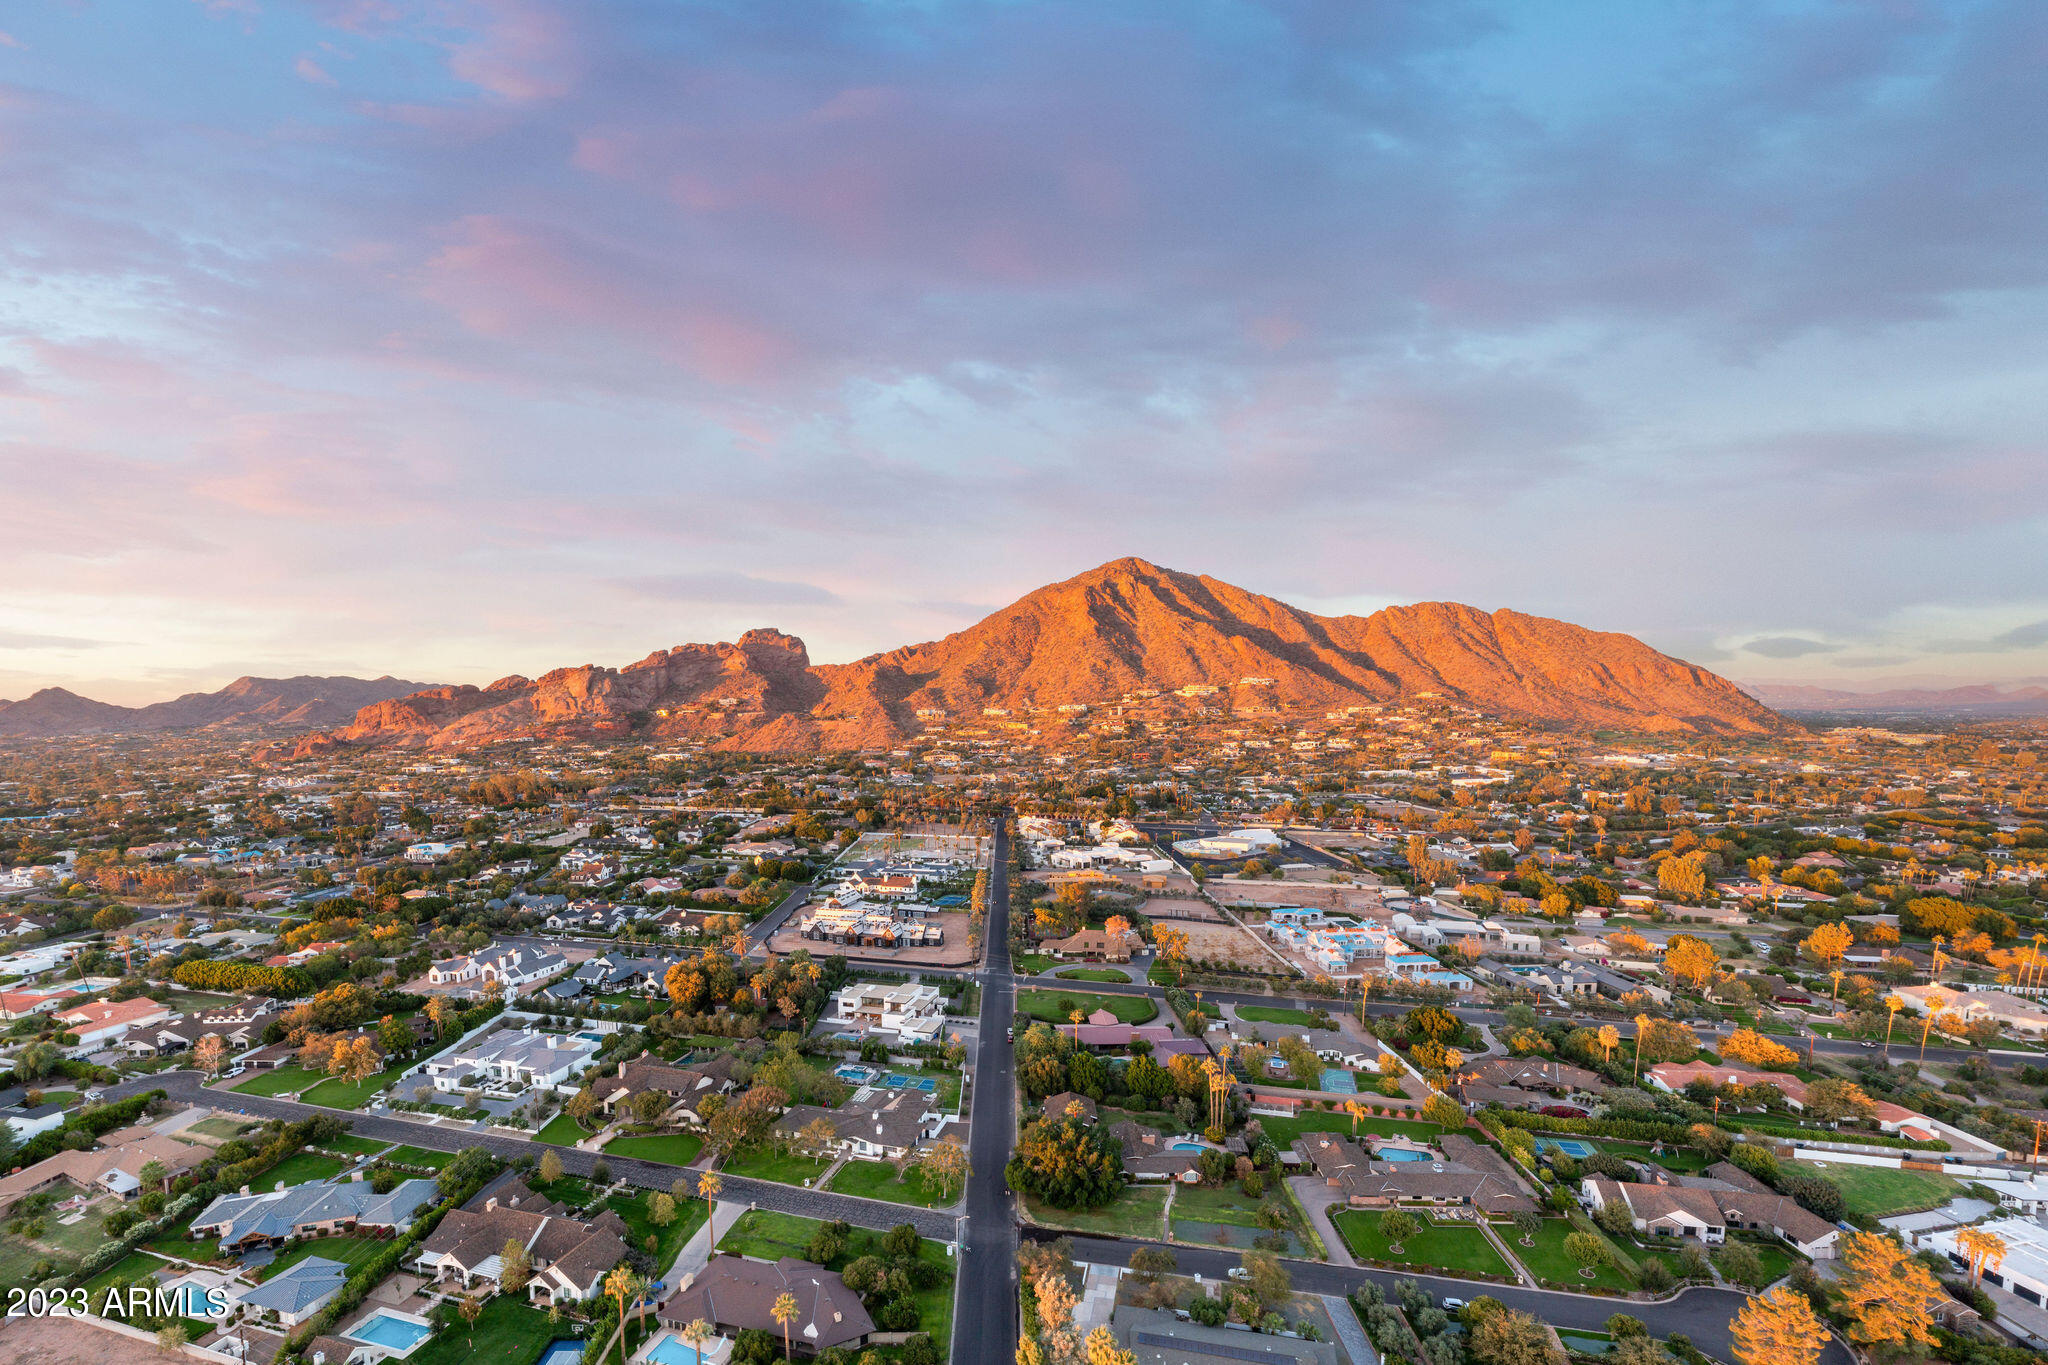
[1631, 1130]
[92, 1121]
[1849, 1135]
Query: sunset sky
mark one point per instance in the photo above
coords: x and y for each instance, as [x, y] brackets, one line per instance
[453, 339]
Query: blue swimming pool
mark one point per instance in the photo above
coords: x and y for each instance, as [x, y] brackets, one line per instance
[672, 1350]
[1190, 1146]
[192, 1302]
[1401, 1154]
[390, 1331]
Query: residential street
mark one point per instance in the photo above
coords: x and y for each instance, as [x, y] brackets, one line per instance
[985, 1315]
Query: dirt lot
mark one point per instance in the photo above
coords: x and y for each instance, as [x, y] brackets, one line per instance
[1224, 942]
[1363, 901]
[1179, 909]
[954, 952]
[68, 1341]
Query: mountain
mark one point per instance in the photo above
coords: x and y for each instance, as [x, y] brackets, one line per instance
[1126, 627]
[245, 703]
[1978, 699]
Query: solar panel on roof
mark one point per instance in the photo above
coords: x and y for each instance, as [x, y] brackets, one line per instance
[1208, 1348]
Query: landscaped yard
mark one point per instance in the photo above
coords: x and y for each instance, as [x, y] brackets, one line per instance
[130, 1268]
[419, 1156]
[1879, 1191]
[677, 1149]
[1226, 1204]
[358, 1146]
[1276, 1014]
[1140, 1211]
[768, 1235]
[1056, 1007]
[62, 1243]
[1092, 974]
[1455, 1246]
[278, 1080]
[563, 1131]
[510, 1331]
[771, 1236]
[1777, 1259]
[690, 1214]
[219, 1126]
[1548, 1262]
[877, 1180]
[297, 1169]
[766, 1163]
[1285, 1131]
[350, 1251]
[336, 1093]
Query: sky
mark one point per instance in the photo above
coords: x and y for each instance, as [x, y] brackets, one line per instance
[457, 338]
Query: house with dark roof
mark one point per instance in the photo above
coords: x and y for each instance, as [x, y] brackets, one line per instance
[1469, 1173]
[297, 1292]
[734, 1294]
[568, 1256]
[318, 1208]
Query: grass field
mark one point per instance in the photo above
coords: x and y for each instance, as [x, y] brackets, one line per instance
[1777, 1260]
[769, 1236]
[510, 1331]
[563, 1131]
[877, 1180]
[278, 1081]
[1285, 1131]
[336, 1093]
[677, 1149]
[358, 1146]
[1140, 1211]
[130, 1268]
[420, 1157]
[1548, 1262]
[219, 1126]
[297, 1169]
[690, 1214]
[765, 1163]
[1092, 974]
[350, 1251]
[1229, 1204]
[1054, 1006]
[1460, 1247]
[1879, 1192]
[1276, 1014]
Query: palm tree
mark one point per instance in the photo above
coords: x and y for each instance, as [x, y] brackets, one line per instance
[694, 1335]
[784, 1312]
[622, 1284]
[708, 1185]
[1893, 1005]
[1642, 1026]
[1932, 1004]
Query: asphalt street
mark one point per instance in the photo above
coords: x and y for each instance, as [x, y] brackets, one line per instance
[985, 1311]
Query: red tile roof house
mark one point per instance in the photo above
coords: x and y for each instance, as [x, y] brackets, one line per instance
[104, 1021]
[1891, 1118]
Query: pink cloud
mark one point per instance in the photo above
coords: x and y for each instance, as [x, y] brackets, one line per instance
[524, 51]
[312, 72]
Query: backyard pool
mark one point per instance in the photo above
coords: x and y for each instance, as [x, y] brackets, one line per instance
[854, 1075]
[672, 1350]
[1190, 1147]
[387, 1329]
[1402, 1154]
[597, 1038]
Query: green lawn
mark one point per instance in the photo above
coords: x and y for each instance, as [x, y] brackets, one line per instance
[1777, 1259]
[1227, 1204]
[1140, 1211]
[1286, 1131]
[676, 1149]
[336, 1093]
[1054, 1006]
[358, 1146]
[219, 1126]
[769, 1236]
[510, 1331]
[1879, 1192]
[563, 1131]
[1548, 1262]
[1686, 1160]
[350, 1251]
[1276, 1014]
[418, 1156]
[134, 1266]
[1458, 1247]
[766, 1163]
[690, 1214]
[1092, 974]
[297, 1169]
[278, 1081]
[1031, 964]
[877, 1180]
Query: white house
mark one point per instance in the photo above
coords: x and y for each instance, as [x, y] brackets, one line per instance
[496, 967]
[913, 1011]
[512, 1058]
[429, 852]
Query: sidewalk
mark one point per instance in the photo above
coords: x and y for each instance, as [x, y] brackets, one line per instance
[1350, 1334]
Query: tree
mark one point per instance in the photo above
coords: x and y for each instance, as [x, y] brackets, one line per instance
[784, 1313]
[1149, 1263]
[1690, 960]
[211, 1052]
[1741, 1263]
[621, 1284]
[1887, 1296]
[708, 1185]
[1826, 944]
[944, 1167]
[1444, 1111]
[1067, 1164]
[1832, 1099]
[550, 1167]
[1511, 1337]
[1397, 1226]
[1268, 1278]
[1984, 1249]
[1589, 1250]
[694, 1335]
[170, 1339]
[1172, 946]
[518, 1268]
[1747, 1045]
[1528, 1222]
[441, 1014]
[661, 1209]
[1778, 1328]
[1101, 1349]
[471, 1307]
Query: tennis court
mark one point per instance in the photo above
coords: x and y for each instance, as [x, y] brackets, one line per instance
[1577, 1148]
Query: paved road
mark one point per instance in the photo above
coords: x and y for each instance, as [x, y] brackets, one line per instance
[186, 1087]
[985, 1312]
[1703, 1315]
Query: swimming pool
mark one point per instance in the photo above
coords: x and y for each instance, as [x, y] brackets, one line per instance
[192, 1302]
[385, 1328]
[858, 1075]
[672, 1350]
[1402, 1154]
[1190, 1147]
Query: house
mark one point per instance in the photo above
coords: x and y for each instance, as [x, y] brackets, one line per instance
[20, 1004]
[1469, 1173]
[104, 1021]
[296, 1293]
[2023, 1271]
[2021, 1017]
[25, 1122]
[568, 1256]
[1536, 1073]
[734, 1294]
[317, 1208]
[429, 852]
[876, 1124]
[1156, 1336]
[1148, 1156]
[913, 1011]
[115, 1167]
[621, 972]
[1704, 1208]
[686, 1087]
[495, 968]
[512, 1059]
[1097, 945]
